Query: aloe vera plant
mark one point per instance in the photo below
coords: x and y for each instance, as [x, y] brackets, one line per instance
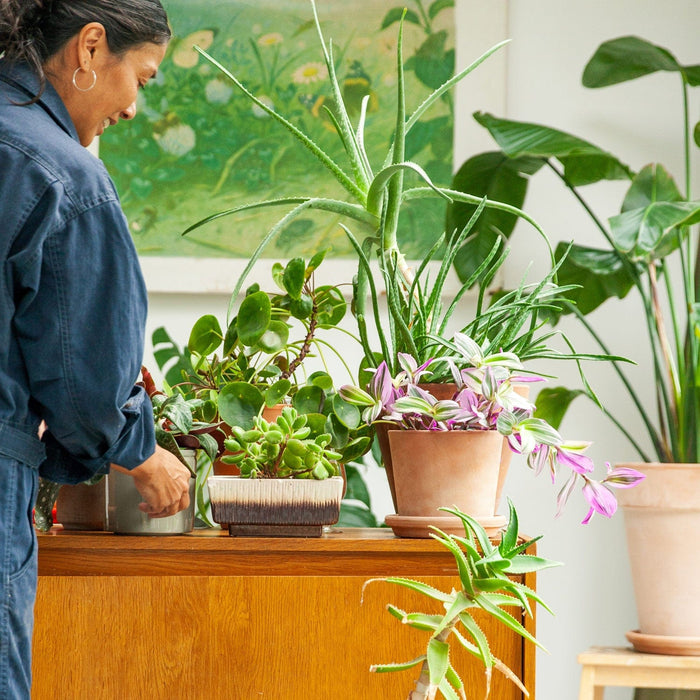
[486, 585]
[370, 206]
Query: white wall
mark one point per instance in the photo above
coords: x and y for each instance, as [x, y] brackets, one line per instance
[551, 42]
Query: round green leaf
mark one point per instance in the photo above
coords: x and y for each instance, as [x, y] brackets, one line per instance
[301, 308]
[339, 432]
[205, 336]
[346, 413]
[231, 338]
[275, 393]
[239, 403]
[331, 305]
[275, 338]
[322, 379]
[253, 318]
[293, 277]
[317, 423]
[308, 399]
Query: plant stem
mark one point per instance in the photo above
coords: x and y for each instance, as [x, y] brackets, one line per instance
[423, 689]
[306, 346]
[651, 430]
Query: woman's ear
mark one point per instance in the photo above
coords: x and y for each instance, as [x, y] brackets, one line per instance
[92, 38]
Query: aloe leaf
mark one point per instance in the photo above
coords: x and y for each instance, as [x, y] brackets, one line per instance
[320, 155]
[434, 96]
[379, 184]
[345, 130]
[438, 660]
[507, 619]
[388, 668]
[335, 206]
[446, 688]
[481, 640]
[417, 586]
[361, 135]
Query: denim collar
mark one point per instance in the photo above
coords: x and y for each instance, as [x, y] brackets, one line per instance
[22, 78]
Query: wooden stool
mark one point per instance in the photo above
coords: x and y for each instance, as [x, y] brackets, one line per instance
[617, 666]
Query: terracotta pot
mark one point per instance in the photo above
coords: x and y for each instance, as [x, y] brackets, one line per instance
[662, 520]
[82, 506]
[441, 392]
[444, 468]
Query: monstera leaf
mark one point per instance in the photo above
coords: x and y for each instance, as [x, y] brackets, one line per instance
[584, 163]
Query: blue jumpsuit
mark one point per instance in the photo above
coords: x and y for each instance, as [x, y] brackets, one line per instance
[72, 319]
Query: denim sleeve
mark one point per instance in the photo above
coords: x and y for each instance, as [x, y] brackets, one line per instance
[81, 334]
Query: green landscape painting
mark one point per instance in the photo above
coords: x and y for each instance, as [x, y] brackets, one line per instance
[199, 146]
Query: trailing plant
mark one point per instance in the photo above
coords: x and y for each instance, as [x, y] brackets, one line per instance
[485, 399]
[649, 244]
[486, 585]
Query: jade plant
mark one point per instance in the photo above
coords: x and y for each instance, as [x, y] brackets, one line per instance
[286, 448]
[488, 583]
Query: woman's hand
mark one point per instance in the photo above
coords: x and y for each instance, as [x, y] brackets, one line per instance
[163, 482]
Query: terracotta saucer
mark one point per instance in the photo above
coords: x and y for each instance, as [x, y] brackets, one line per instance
[663, 644]
[419, 526]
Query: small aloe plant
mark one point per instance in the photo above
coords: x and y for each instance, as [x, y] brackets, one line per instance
[486, 584]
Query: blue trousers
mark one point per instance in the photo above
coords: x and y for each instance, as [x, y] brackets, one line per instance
[18, 572]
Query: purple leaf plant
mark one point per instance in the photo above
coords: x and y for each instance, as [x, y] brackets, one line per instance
[486, 399]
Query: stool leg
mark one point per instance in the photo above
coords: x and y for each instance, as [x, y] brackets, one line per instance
[588, 690]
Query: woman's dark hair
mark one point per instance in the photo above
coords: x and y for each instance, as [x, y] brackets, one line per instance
[33, 31]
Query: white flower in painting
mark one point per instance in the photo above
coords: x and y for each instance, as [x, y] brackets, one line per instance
[258, 111]
[270, 39]
[310, 73]
[177, 140]
[218, 92]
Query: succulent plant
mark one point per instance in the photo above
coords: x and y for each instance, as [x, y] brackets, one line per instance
[283, 449]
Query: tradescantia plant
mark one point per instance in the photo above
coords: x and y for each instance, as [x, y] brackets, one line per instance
[486, 585]
[485, 399]
[371, 201]
[649, 245]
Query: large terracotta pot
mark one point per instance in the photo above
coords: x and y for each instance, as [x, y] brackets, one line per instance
[444, 468]
[662, 520]
[444, 391]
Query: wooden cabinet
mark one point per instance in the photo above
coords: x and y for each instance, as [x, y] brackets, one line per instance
[212, 617]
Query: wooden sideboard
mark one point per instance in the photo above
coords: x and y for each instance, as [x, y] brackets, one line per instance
[212, 617]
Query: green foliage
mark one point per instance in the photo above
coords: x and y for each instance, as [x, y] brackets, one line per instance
[284, 449]
[651, 236]
[486, 586]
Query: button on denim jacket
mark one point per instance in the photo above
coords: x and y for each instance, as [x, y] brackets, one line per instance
[72, 297]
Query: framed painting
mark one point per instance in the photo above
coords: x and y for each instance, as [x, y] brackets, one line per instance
[199, 146]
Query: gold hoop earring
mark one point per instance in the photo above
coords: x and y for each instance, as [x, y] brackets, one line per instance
[75, 83]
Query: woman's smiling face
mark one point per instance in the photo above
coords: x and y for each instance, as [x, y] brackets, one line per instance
[116, 82]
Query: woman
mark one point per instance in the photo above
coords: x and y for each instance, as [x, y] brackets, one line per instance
[72, 298]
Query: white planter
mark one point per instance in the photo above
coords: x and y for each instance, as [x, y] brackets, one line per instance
[275, 507]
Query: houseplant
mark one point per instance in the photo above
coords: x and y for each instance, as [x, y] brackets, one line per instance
[289, 483]
[485, 586]
[181, 429]
[483, 407]
[650, 244]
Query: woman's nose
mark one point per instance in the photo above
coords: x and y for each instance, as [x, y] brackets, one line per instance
[129, 112]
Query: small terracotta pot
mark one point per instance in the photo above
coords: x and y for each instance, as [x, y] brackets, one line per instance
[270, 414]
[82, 506]
[662, 520]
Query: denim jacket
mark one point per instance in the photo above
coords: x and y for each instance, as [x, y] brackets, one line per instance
[72, 298]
